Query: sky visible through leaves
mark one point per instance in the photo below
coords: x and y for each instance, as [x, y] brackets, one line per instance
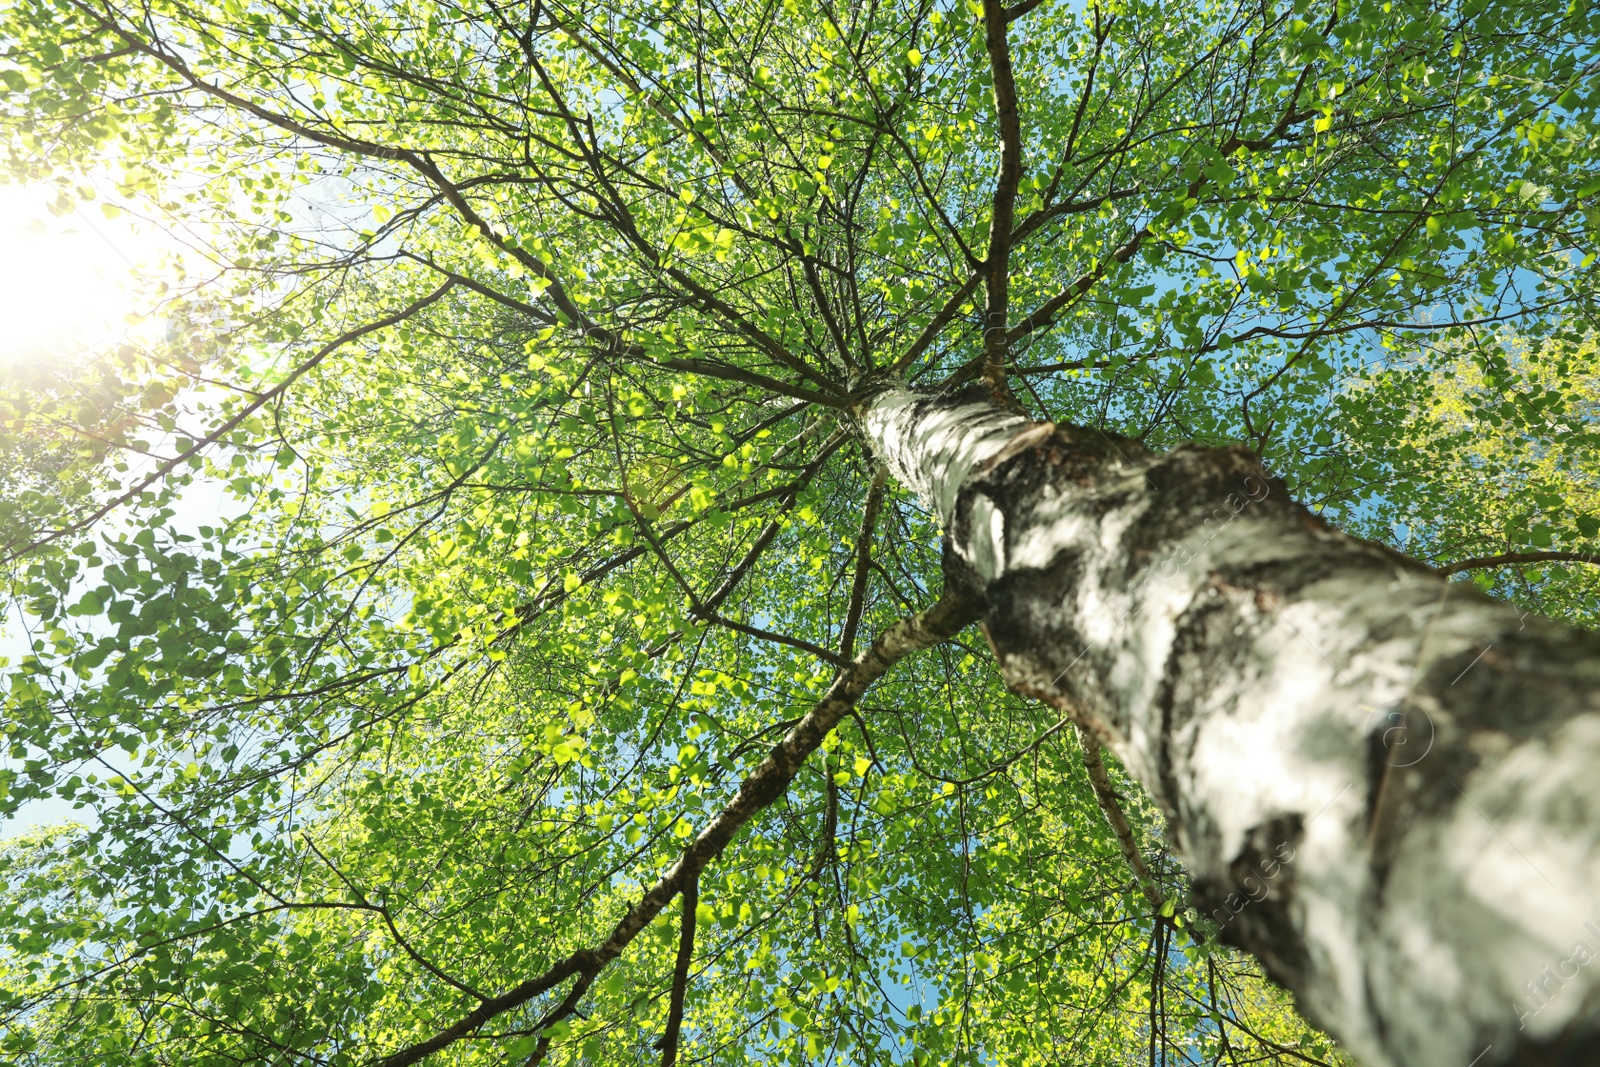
[479, 504]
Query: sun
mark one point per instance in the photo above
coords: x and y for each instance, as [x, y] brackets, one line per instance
[69, 282]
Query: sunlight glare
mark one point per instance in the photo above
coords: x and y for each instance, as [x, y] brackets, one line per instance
[68, 283]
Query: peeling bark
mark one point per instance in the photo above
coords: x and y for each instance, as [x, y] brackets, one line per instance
[1384, 786]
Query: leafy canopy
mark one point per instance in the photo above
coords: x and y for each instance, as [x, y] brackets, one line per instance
[521, 357]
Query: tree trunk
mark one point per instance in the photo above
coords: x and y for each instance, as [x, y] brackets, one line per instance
[1384, 786]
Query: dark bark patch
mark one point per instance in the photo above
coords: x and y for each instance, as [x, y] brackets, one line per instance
[1056, 454]
[1579, 1047]
[1197, 492]
[1027, 616]
[1253, 909]
[1522, 682]
[1512, 688]
[1208, 641]
[959, 577]
[1401, 790]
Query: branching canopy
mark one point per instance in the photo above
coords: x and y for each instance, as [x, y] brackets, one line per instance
[454, 628]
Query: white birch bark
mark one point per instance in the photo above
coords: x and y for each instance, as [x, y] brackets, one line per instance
[1384, 785]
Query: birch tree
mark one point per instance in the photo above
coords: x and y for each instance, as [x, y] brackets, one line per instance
[804, 532]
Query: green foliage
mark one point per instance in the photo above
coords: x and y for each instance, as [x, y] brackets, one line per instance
[520, 376]
[1497, 457]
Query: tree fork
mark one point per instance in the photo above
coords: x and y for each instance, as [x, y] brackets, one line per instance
[1382, 784]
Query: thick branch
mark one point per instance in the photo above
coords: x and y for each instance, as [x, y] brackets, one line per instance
[1510, 558]
[858, 588]
[727, 372]
[997, 262]
[757, 632]
[940, 320]
[1107, 798]
[764, 785]
[680, 971]
[1044, 316]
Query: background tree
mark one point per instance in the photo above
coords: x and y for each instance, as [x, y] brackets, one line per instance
[521, 712]
[1500, 480]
